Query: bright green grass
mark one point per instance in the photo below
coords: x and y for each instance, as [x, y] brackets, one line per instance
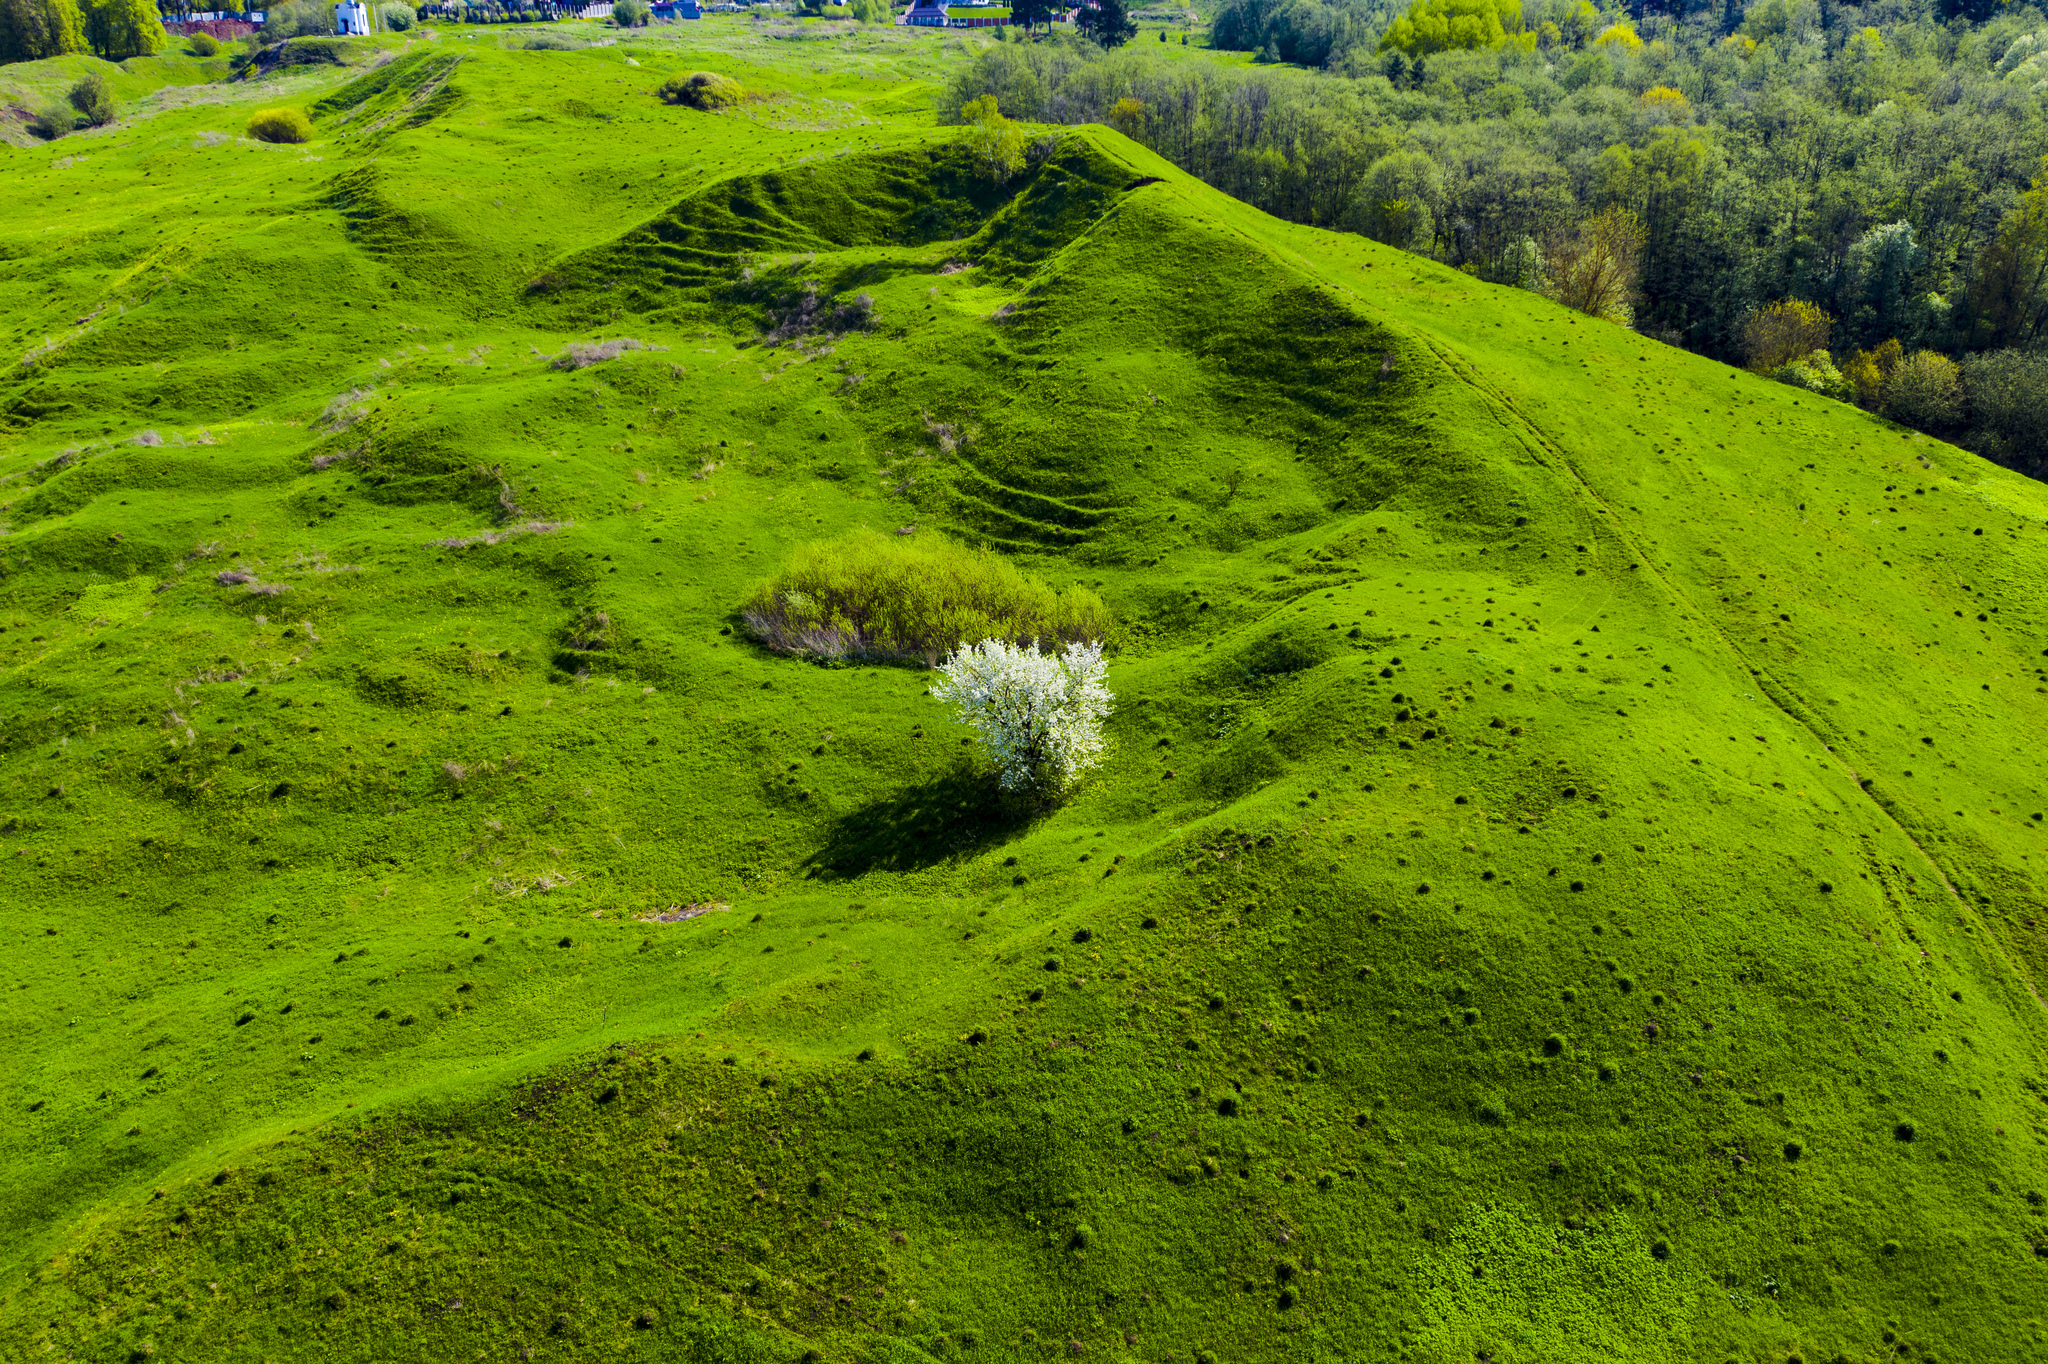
[1559, 772]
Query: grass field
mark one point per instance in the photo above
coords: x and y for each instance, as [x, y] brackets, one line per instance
[1563, 885]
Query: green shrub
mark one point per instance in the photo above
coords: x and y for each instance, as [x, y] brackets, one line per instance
[397, 18]
[203, 45]
[280, 125]
[870, 596]
[631, 13]
[703, 90]
[1925, 392]
[1816, 373]
[52, 121]
[93, 101]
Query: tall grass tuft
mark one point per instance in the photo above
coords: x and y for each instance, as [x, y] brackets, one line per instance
[869, 596]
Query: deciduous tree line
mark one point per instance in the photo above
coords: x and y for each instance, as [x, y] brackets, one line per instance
[1883, 165]
[114, 29]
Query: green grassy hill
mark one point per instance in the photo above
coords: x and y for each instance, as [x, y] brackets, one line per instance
[1566, 884]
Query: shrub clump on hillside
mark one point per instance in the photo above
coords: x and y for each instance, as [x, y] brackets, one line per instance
[93, 100]
[280, 125]
[203, 44]
[705, 90]
[1780, 333]
[1925, 391]
[870, 597]
[1816, 373]
[584, 354]
[52, 121]
[797, 308]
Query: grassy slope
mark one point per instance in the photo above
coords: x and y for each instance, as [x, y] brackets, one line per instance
[1354, 509]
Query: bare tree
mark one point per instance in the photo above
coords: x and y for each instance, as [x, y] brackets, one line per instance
[1595, 270]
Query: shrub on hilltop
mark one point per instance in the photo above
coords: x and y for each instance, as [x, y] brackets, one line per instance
[706, 90]
[875, 597]
[280, 125]
[995, 143]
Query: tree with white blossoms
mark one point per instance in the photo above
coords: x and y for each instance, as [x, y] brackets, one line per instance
[1039, 715]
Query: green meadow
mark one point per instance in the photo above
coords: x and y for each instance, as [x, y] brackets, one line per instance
[1566, 881]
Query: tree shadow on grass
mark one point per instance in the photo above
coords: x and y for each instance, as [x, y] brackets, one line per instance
[941, 820]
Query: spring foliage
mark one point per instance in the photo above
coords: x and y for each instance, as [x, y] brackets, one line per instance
[33, 29]
[996, 143]
[280, 125]
[1449, 25]
[1596, 270]
[1039, 715]
[1779, 333]
[875, 597]
[93, 101]
[120, 29]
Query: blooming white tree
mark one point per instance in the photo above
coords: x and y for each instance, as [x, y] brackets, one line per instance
[1039, 715]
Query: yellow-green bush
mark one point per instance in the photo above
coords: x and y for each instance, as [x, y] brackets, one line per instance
[703, 90]
[280, 125]
[203, 44]
[874, 596]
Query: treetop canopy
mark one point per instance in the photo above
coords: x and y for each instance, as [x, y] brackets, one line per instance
[1444, 25]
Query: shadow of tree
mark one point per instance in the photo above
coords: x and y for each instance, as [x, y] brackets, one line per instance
[936, 821]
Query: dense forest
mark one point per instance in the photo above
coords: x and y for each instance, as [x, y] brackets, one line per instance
[1855, 200]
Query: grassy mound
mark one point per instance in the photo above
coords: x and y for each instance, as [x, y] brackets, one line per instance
[1566, 882]
[409, 91]
[870, 596]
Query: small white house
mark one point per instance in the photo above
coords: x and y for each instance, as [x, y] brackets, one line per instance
[351, 18]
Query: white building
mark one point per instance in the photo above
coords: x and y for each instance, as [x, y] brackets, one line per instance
[351, 17]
